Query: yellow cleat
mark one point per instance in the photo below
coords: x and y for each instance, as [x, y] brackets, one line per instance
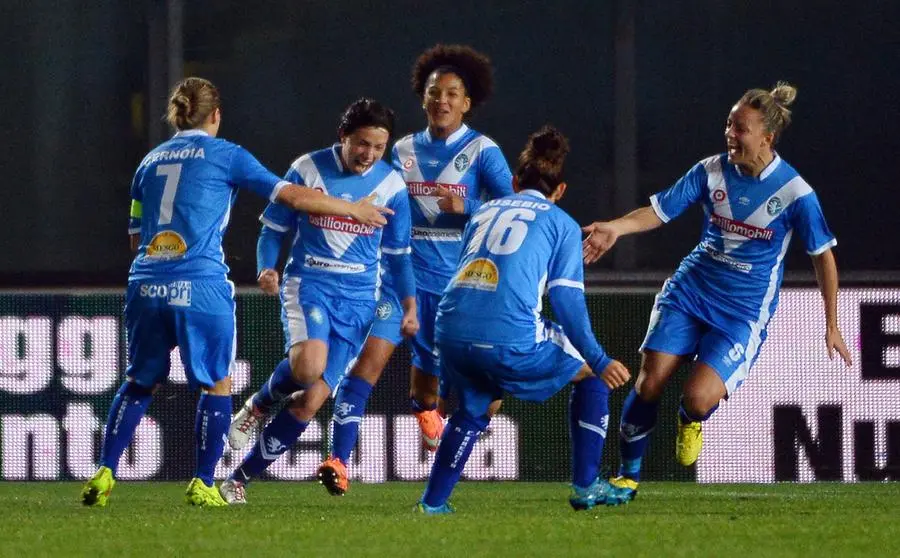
[688, 443]
[96, 490]
[198, 494]
[621, 490]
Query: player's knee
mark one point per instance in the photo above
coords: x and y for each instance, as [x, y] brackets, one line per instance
[649, 386]
[306, 367]
[698, 403]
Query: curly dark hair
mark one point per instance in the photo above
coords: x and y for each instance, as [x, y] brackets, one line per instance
[472, 67]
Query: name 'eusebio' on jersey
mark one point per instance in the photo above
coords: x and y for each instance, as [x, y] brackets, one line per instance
[469, 165]
[186, 187]
[338, 254]
[739, 263]
[514, 248]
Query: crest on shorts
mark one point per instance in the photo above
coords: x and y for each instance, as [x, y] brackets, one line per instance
[384, 310]
[461, 162]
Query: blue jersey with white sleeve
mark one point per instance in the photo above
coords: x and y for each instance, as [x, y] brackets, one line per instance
[468, 164]
[187, 186]
[738, 265]
[338, 255]
[515, 248]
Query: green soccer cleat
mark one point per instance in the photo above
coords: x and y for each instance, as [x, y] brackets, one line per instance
[590, 496]
[621, 491]
[96, 490]
[425, 509]
[198, 494]
[688, 442]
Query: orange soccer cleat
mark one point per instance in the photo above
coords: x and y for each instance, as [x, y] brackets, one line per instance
[431, 423]
[332, 474]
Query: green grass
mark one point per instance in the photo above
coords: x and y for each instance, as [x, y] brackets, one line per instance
[492, 519]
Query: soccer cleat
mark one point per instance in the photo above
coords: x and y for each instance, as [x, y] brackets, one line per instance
[431, 423]
[96, 490]
[198, 494]
[232, 491]
[621, 490]
[688, 442]
[587, 498]
[244, 424]
[332, 474]
[425, 509]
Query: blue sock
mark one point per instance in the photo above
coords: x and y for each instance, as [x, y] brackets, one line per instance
[210, 426]
[128, 407]
[280, 385]
[276, 438]
[638, 420]
[686, 417]
[456, 446]
[588, 421]
[349, 408]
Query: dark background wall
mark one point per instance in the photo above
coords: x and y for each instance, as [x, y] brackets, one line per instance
[75, 122]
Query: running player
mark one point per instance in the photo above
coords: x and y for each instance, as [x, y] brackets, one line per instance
[330, 287]
[491, 336]
[714, 310]
[178, 288]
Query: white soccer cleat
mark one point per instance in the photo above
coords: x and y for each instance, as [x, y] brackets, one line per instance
[232, 491]
[244, 424]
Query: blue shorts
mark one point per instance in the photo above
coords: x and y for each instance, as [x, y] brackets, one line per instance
[421, 345]
[728, 345]
[343, 324]
[388, 316]
[196, 316]
[481, 373]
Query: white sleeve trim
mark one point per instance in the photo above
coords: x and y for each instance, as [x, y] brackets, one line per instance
[273, 225]
[281, 184]
[565, 283]
[136, 230]
[654, 203]
[396, 251]
[821, 249]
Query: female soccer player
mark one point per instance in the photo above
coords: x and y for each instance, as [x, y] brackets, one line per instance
[715, 308]
[178, 288]
[449, 169]
[330, 287]
[492, 339]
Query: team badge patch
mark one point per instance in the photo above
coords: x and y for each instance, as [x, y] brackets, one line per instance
[461, 162]
[384, 310]
[774, 206]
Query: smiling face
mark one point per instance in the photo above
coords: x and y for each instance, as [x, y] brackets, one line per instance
[445, 103]
[746, 137]
[362, 147]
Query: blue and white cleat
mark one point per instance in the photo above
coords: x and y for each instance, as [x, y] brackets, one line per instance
[621, 491]
[590, 496]
[425, 509]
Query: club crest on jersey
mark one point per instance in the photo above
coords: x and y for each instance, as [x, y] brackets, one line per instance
[166, 245]
[774, 206]
[384, 310]
[718, 195]
[480, 274]
[461, 162]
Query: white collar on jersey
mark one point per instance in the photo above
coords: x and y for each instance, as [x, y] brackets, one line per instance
[452, 138]
[186, 133]
[770, 168]
[535, 193]
[336, 151]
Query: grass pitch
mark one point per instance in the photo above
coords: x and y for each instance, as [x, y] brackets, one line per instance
[492, 519]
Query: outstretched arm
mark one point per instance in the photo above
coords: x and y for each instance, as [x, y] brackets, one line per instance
[313, 201]
[827, 277]
[603, 235]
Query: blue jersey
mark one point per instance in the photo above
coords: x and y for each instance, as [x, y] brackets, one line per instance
[515, 248]
[738, 265]
[187, 186]
[468, 164]
[338, 255]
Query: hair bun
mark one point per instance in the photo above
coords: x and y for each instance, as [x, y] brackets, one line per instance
[784, 93]
[549, 145]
